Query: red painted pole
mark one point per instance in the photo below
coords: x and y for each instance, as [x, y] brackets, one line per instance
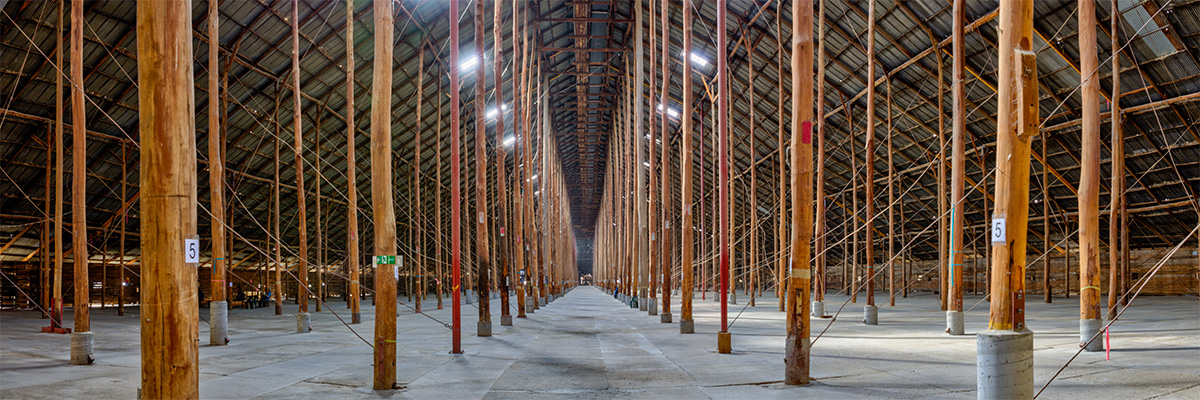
[455, 177]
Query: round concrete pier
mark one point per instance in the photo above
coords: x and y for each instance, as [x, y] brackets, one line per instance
[664, 318]
[643, 304]
[688, 326]
[1088, 328]
[954, 322]
[483, 329]
[1004, 364]
[818, 309]
[652, 306]
[303, 321]
[870, 315]
[505, 320]
[81, 348]
[218, 323]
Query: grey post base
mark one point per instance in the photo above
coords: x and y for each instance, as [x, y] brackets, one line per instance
[688, 326]
[643, 304]
[870, 315]
[664, 318]
[1004, 364]
[218, 323]
[652, 306]
[303, 323]
[483, 329]
[355, 318]
[954, 322]
[81, 348]
[1087, 329]
[505, 320]
[818, 309]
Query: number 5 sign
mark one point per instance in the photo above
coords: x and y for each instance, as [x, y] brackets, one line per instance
[998, 234]
[191, 251]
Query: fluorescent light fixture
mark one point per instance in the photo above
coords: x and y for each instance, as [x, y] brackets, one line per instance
[469, 63]
[672, 112]
[647, 164]
[508, 141]
[492, 113]
[697, 59]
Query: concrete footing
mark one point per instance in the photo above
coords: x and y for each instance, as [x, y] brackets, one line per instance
[870, 315]
[1004, 364]
[218, 323]
[303, 323]
[652, 306]
[543, 301]
[796, 362]
[505, 320]
[278, 309]
[954, 322]
[818, 309]
[483, 329]
[664, 318]
[529, 307]
[724, 342]
[1087, 329]
[81, 348]
[643, 304]
[688, 326]
[355, 318]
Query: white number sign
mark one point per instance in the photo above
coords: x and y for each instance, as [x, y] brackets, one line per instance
[191, 251]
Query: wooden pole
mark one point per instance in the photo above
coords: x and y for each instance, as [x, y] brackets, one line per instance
[891, 180]
[170, 352]
[277, 239]
[1116, 225]
[655, 225]
[1089, 186]
[455, 178]
[820, 232]
[753, 262]
[441, 273]
[686, 324]
[382, 205]
[943, 278]
[870, 309]
[419, 241]
[351, 172]
[726, 209]
[665, 162]
[218, 312]
[954, 324]
[483, 263]
[796, 353]
[1048, 296]
[124, 218]
[320, 295]
[638, 132]
[501, 173]
[520, 108]
[56, 305]
[302, 325]
[1005, 350]
[781, 176]
[80, 354]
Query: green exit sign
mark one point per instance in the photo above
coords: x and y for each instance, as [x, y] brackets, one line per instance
[385, 260]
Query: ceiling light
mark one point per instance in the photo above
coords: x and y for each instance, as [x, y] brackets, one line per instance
[508, 141]
[469, 63]
[492, 113]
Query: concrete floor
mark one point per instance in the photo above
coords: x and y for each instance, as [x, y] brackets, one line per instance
[589, 345]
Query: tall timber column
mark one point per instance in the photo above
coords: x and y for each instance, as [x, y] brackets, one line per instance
[665, 165]
[455, 182]
[653, 221]
[643, 235]
[686, 325]
[724, 339]
[1116, 224]
[419, 225]
[218, 310]
[81, 337]
[170, 360]
[501, 175]
[382, 207]
[870, 311]
[781, 175]
[1004, 352]
[796, 350]
[818, 302]
[1089, 185]
[954, 311]
[482, 261]
[351, 171]
[302, 292]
